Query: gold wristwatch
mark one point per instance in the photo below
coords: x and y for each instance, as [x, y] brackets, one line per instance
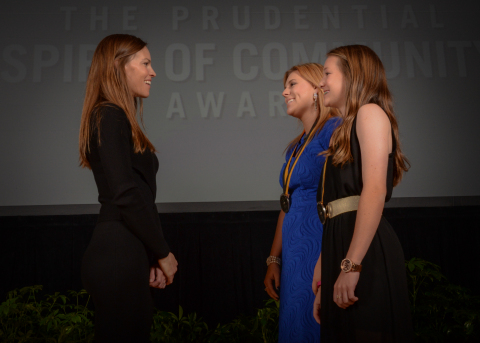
[348, 266]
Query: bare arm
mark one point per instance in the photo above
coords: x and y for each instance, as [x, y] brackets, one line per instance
[317, 290]
[277, 239]
[317, 274]
[374, 135]
[272, 278]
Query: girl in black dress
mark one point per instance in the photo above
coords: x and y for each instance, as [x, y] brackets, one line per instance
[127, 252]
[363, 295]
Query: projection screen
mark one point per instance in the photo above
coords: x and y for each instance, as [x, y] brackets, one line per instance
[215, 112]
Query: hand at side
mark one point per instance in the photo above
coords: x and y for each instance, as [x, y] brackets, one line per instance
[157, 278]
[316, 305]
[344, 289]
[272, 279]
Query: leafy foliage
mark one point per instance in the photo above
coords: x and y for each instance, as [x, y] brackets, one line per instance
[441, 312]
[58, 318]
[168, 327]
[263, 328]
[55, 319]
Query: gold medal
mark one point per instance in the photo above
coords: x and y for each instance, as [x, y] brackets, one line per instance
[284, 203]
[322, 212]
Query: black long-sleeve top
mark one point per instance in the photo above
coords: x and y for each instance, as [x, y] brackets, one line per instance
[126, 180]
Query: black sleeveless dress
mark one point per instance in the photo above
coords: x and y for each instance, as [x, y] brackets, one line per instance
[382, 313]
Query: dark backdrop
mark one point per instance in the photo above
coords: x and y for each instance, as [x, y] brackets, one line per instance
[221, 255]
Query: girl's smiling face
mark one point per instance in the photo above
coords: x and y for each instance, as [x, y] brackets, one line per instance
[333, 84]
[298, 94]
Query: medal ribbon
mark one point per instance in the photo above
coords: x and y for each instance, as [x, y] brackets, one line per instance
[287, 174]
[323, 179]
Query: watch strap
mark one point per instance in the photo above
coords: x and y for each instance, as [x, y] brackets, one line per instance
[353, 266]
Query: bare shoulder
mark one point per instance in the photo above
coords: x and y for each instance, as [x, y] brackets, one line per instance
[372, 117]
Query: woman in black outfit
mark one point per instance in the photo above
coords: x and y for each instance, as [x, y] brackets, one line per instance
[363, 297]
[127, 252]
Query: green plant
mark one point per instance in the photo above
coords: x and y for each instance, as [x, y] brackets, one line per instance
[23, 318]
[241, 329]
[441, 312]
[421, 275]
[268, 319]
[168, 327]
[262, 329]
[58, 318]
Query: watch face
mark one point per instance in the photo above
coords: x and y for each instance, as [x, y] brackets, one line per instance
[346, 265]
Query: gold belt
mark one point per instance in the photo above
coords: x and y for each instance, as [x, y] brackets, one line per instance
[339, 206]
[336, 207]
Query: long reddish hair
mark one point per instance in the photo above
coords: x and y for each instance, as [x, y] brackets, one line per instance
[107, 86]
[312, 73]
[365, 83]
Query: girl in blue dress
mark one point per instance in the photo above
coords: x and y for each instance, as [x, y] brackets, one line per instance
[297, 240]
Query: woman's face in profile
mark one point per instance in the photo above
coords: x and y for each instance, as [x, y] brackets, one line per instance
[139, 74]
[332, 84]
[298, 94]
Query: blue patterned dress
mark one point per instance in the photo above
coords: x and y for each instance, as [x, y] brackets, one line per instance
[302, 242]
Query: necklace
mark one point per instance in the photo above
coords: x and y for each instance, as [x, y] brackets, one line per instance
[285, 197]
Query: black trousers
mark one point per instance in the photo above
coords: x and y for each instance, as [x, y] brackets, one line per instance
[115, 271]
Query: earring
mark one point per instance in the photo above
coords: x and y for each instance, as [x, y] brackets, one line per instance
[315, 97]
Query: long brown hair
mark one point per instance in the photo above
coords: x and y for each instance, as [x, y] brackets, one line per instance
[313, 73]
[365, 83]
[107, 86]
